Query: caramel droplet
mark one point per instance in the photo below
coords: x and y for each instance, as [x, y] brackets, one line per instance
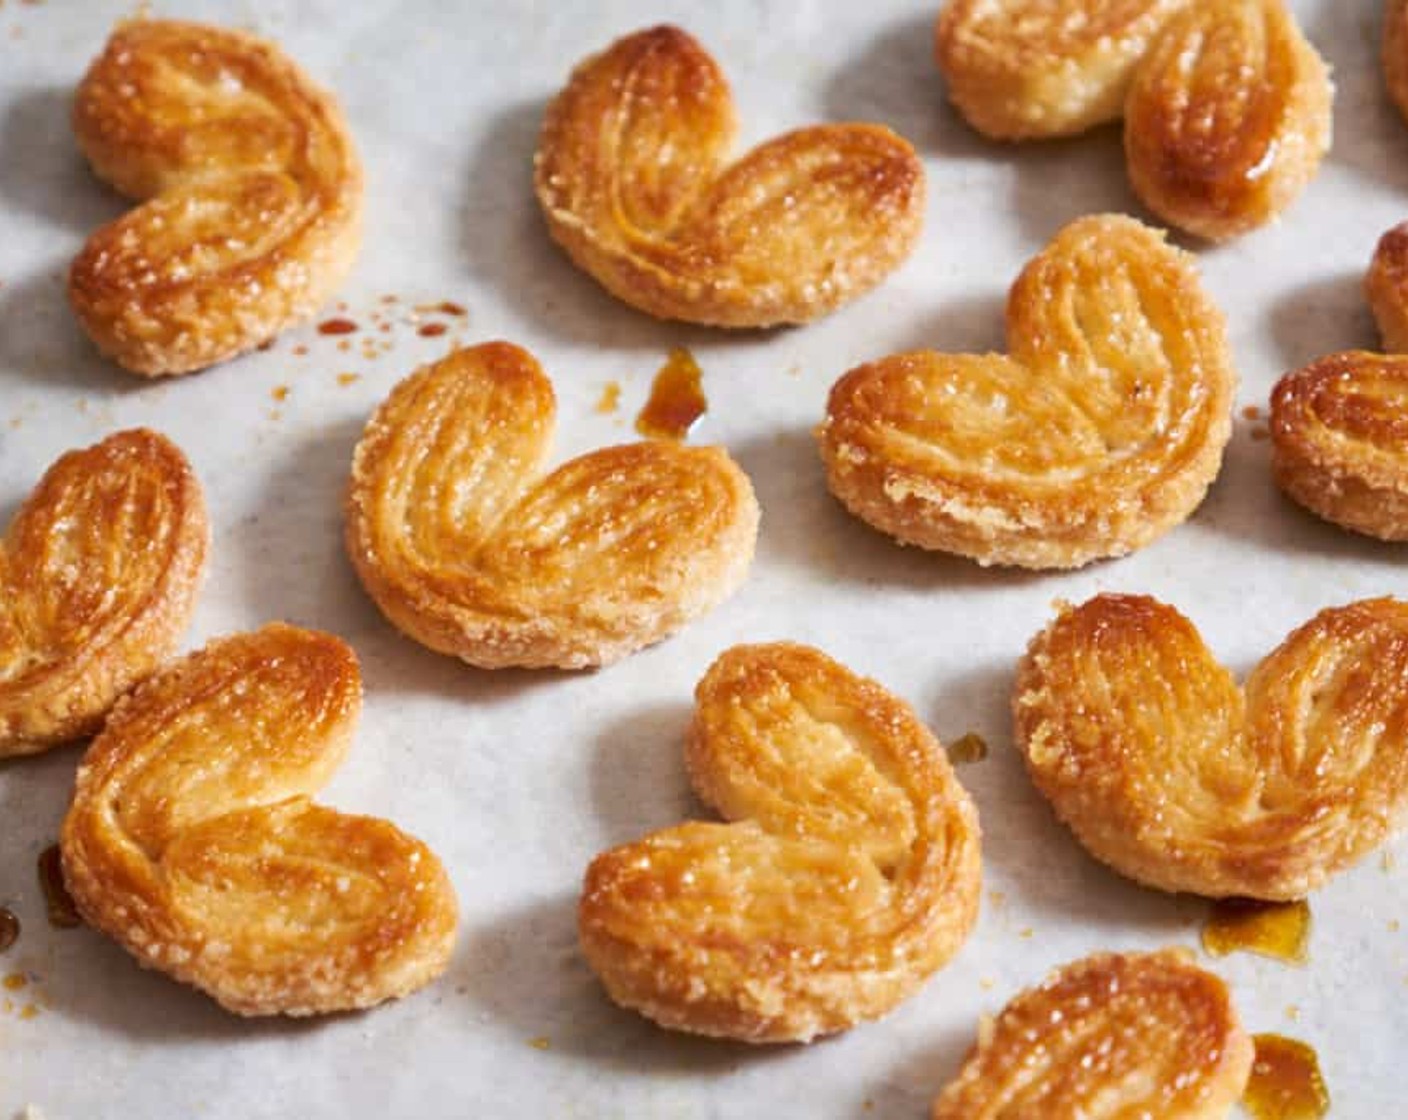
[1251, 412]
[279, 392]
[1280, 930]
[676, 401]
[430, 330]
[337, 326]
[1286, 1083]
[610, 397]
[969, 748]
[9, 929]
[63, 914]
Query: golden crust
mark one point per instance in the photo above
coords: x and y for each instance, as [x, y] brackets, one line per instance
[629, 172]
[468, 551]
[1226, 106]
[1171, 774]
[192, 840]
[1394, 55]
[1102, 430]
[849, 872]
[251, 189]
[1113, 1035]
[1386, 287]
[1339, 434]
[98, 578]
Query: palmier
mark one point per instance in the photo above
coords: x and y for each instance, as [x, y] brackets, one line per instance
[193, 841]
[251, 195]
[630, 175]
[1100, 430]
[98, 578]
[1167, 771]
[469, 551]
[1339, 430]
[1226, 106]
[1386, 287]
[847, 874]
[1111, 1036]
[1394, 55]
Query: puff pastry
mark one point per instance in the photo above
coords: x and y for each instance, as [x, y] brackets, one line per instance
[1101, 430]
[98, 578]
[1226, 106]
[848, 874]
[193, 841]
[1386, 287]
[468, 551]
[1394, 55]
[251, 196]
[629, 171]
[1174, 776]
[1339, 430]
[1113, 1035]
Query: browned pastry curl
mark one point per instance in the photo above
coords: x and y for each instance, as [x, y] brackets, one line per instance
[252, 189]
[193, 842]
[630, 175]
[1226, 106]
[1339, 430]
[1174, 776]
[849, 872]
[1394, 54]
[98, 578]
[1386, 286]
[467, 550]
[1110, 1037]
[1101, 431]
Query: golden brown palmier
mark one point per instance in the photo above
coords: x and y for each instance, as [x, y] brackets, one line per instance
[1226, 106]
[1394, 54]
[251, 196]
[468, 551]
[98, 578]
[629, 172]
[1113, 1035]
[1386, 286]
[1101, 430]
[1339, 430]
[1174, 776]
[848, 874]
[193, 841]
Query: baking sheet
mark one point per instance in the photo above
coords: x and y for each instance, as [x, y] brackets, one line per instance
[517, 779]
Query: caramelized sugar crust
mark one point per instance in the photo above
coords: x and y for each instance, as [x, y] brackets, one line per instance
[1113, 1035]
[847, 874]
[1386, 287]
[631, 175]
[193, 841]
[471, 550]
[1174, 776]
[98, 578]
[1339, 430]
[1100, 430]
[1394, 56]
[1226, 106]
[250, 191]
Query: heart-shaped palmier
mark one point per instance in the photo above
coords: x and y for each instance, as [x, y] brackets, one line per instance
[1226, 106]
[98, 578]
[469, 551]
[193, 842]
[1108, 1037]
[1174, 776]
[629, 172]
[1339, 430]
[849, 871]
[252, 189]
[1101, 430]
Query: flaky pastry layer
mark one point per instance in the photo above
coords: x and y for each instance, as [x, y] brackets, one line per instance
[848, 872]
[1173, 775]
[1226, 106]
[1386, 287]
[251, 195]
[192, 839]
[1394, 52]
[630, 175]
[1101, 429]
[1108, 1037]
[99, 572]
[470, 550]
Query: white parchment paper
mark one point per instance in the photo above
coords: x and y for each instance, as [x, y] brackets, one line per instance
[518, 779]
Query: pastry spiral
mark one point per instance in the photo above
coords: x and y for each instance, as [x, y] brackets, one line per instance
[629, 172]
[468, 551]
[1171, 774]
[98, 578]
[848, 874]
[1386, 287]
[251, 196]
[1107, 1037]
[193, 841]
[1102, 429]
